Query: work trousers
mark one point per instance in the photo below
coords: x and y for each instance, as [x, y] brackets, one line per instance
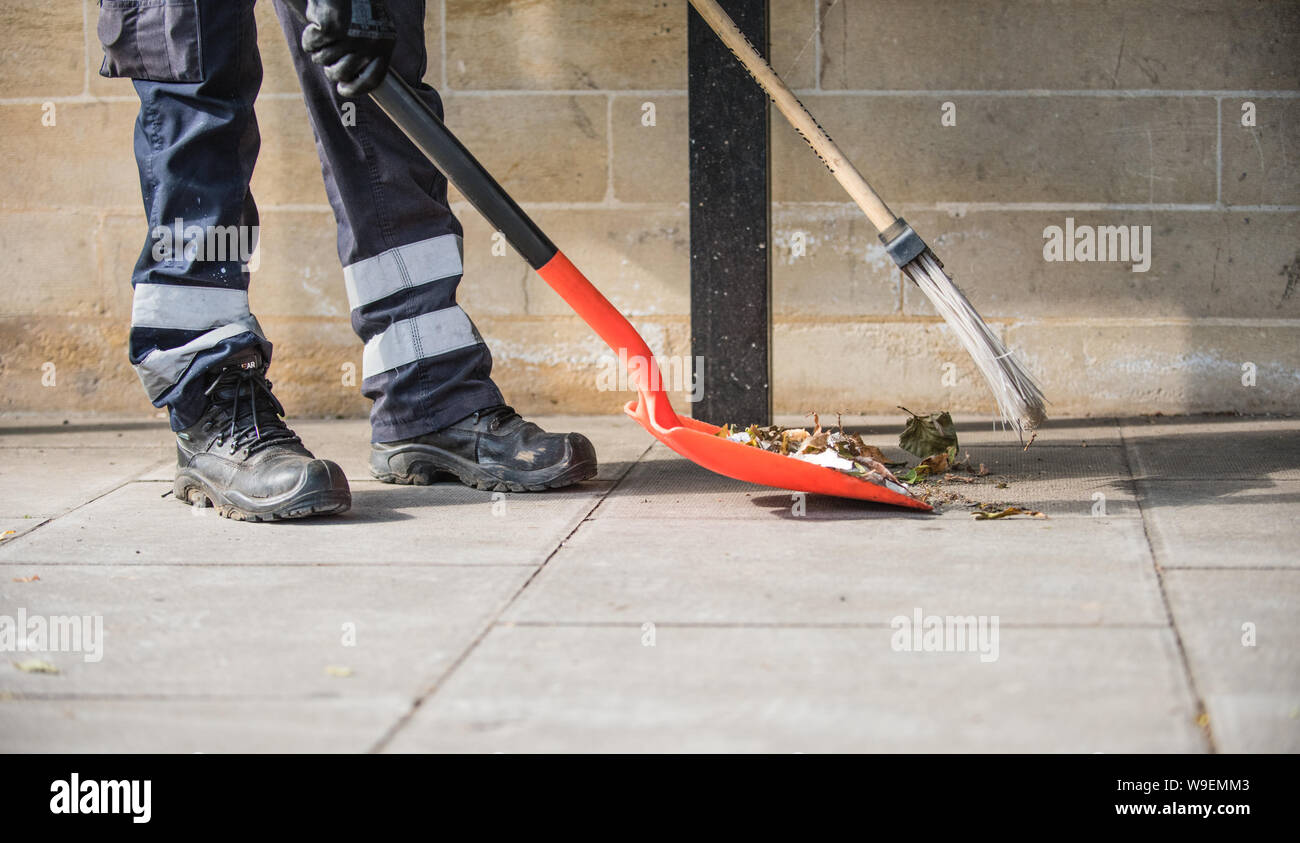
[197, 71]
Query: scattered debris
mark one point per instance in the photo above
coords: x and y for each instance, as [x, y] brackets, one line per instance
[32, 578]
[36, 666]
[1009, 512]
[337, 671]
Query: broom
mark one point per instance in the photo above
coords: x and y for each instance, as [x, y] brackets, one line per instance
[1019, 399]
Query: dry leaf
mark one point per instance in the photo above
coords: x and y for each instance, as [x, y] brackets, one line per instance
[338, 672]
[1007, 513]
[36, 666]
[816, 443]
[873, 452]
[32, 578]
[936, 463]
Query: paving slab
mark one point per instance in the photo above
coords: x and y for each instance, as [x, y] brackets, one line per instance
[1241, 632]
[1215, 448]
[1061, 481]
[1223, 523]
[600, 689]
[771, 622]
[272, 632]
[188, 726]
[446, 523]
[793, 571]
[42, 482]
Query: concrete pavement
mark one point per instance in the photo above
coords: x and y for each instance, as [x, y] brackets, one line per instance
[661, 607]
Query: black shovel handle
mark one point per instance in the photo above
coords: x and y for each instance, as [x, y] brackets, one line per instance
[403, 104]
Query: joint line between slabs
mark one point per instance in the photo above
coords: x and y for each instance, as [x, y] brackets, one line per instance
[132, 479]
[1188, 676]
[442, 679]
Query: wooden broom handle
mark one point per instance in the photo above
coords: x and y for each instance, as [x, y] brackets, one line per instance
[788, 104]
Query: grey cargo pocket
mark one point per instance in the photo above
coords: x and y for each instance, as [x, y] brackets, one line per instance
[153, 40]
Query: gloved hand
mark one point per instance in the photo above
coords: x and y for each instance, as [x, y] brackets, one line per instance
[353, 40]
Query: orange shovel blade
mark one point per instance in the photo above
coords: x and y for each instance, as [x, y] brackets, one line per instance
[696, 440]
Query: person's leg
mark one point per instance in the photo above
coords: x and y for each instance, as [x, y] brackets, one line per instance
[425, 365]
[436, 410]
[196, 140]
[195, 345]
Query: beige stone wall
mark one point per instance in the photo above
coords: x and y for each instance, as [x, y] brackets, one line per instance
[1109, 113]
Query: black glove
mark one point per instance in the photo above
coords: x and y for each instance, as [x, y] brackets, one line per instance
[353, 40]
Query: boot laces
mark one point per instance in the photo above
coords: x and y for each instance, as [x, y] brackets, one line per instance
[254, 425]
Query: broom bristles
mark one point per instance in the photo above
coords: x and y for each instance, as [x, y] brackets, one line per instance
[1019, 399]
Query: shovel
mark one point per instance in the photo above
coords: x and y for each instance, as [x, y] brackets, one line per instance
[695, 440]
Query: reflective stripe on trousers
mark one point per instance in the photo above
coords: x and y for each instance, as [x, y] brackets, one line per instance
[196, 142]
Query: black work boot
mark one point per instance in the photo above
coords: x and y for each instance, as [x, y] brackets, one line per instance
[243, 459]
[493, 449]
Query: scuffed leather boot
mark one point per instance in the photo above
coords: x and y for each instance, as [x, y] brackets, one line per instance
[243, 459]
[493, 449]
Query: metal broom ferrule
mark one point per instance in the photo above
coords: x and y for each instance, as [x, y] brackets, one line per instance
[903, 244]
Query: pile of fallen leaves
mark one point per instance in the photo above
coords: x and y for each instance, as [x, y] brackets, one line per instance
[835, 449]
[932, 438]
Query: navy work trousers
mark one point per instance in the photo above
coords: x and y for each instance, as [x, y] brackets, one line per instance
[197, 70]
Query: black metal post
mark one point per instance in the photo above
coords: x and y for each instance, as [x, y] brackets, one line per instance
[731, 278]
